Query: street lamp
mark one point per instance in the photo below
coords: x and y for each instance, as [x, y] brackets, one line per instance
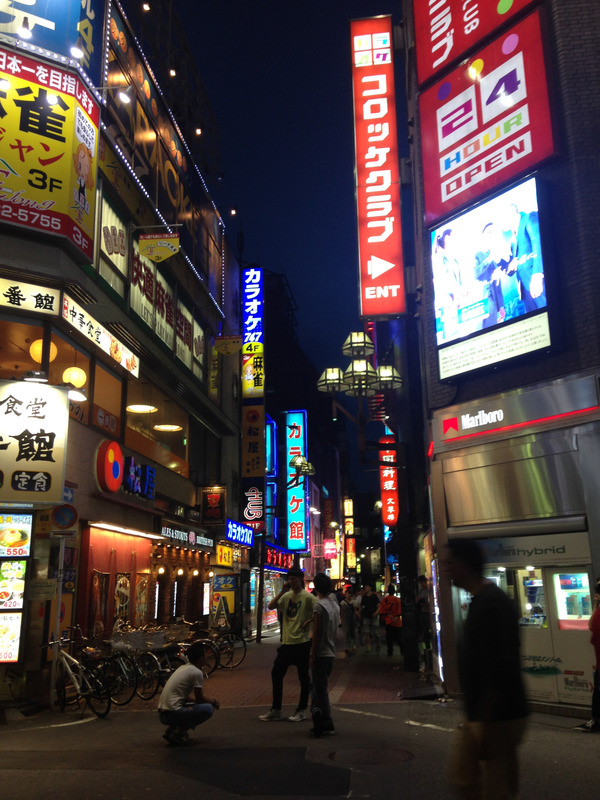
[359, 379]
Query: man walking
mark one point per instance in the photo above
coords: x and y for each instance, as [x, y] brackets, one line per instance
[326, 616]
[390, 610]
[296, 607]
[484, 762]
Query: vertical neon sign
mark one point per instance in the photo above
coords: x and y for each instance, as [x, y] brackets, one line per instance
[381, 270]
[297, 484]
[388, 480]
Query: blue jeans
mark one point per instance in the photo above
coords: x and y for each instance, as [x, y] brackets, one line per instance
[320, 707]
[187, 717]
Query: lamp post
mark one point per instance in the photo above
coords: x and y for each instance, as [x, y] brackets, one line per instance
[360, 379]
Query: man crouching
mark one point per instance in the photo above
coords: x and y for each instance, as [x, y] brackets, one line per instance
[174, 706]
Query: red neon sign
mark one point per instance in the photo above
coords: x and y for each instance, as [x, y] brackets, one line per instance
[445, 29]
[381, 273]
[487, 122]
[388, 480]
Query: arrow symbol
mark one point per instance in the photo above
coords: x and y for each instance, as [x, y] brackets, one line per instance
[377, 266]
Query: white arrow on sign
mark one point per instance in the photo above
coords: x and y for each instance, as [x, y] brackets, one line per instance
[377, 266]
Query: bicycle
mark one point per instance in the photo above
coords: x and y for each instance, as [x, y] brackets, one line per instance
[230, 646]
[120, 674]
[76, 681]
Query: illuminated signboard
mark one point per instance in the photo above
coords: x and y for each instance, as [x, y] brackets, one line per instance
[15, 535]
[388, 480]
[213, 501]
[242, 534]
[34, 421]
[489, 283]
[351, 553]
[277, 559]
[296, 444]
[486, 122]
[224, 555]
[186, 537]
[49, 159]
[79, 319]
[381, 271]
[10, 637]
[253, 449]
[29, 297]
[12, 584]
[114, 471]
[57, 27]
[329, 548]
[445, 29]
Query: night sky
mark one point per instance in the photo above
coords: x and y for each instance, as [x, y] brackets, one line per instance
[278, 75]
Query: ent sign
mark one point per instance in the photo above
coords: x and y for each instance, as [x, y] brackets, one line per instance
[381, 273]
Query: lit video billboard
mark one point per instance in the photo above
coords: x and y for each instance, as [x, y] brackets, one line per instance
[489, 283]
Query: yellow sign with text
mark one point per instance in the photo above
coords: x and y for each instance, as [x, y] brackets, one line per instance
[48, 149]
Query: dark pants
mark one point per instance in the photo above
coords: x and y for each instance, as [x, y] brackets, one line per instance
[291, 655]
[596, 696]
[393, 634]
[320, 708]
[187, 717]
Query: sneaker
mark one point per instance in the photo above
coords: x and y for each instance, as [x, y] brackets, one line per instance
[299, 716]
[328, 732]
[274, 715]
[175, 738]
[589, 727]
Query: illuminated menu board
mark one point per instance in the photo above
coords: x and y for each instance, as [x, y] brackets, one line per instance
[10, 637]
[15, 535]
[12, 584]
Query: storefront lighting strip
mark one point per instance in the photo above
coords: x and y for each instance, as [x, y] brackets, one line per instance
[130, 531]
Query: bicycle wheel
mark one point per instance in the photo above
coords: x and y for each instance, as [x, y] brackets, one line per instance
[119, 675]
[232, 649]
[175, 662]
[211, 656]
[148, 675]
[66, 691]
[95, 692]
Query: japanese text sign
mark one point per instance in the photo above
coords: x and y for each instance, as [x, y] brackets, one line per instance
[388, 480]
[297, 484]
[34, 421]
[487, 122]
[253, 376]
[277, 559]
[381, 272]
[79, 319]
[49, 145]
[445, 29]
[242, 534]
[29, 297]
[253, 441]
[57, 26]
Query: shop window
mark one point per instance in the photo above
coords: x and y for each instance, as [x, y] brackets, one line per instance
[157, 427]
[106, 408]
[71, 365]
[20, 348]
[531, 598]
[573, 601]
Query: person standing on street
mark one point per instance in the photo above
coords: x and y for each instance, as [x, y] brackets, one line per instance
[174, 710]
[369, 619]
[326, 614]
[483, 761]
[593, 726]
[349, 622]
[390, 610]
[296, 606]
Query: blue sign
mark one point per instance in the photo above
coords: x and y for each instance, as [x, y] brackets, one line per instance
[242, 534]
[296, 444]
[58, 26]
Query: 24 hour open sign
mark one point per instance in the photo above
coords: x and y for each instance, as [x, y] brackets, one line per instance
[486, 122]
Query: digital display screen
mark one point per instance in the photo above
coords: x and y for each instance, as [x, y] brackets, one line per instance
[488, 274]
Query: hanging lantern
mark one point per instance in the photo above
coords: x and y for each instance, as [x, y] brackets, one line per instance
[36, 348]
[75, 376]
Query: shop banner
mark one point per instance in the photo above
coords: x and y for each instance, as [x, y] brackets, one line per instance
[29, 297]
[445, 29]
[58, 26]
[487, 122]
[34, 419]
[49, 149]
[213, 502]
[388, 480]
[159, 246]
[381, 268]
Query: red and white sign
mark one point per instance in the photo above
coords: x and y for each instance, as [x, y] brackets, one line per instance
[329, 548]
[487, 122]
[388, 480]
[445, 29]
[381, 271]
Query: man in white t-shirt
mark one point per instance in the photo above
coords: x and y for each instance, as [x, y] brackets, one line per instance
[174, 708]
[326, 618]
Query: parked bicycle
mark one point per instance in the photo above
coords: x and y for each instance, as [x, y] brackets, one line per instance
[79, 681]
[230, 646]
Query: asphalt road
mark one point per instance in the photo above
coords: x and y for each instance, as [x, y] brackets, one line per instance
[388, 745]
